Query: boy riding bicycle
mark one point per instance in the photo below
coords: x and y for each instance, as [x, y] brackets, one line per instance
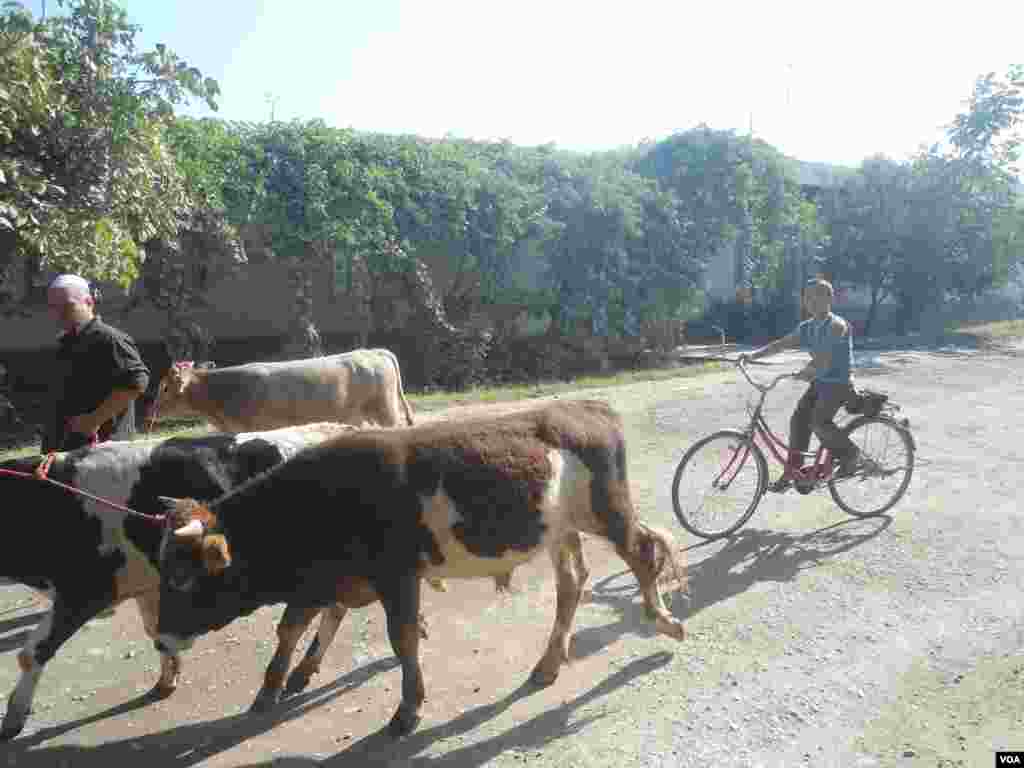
[828, 339]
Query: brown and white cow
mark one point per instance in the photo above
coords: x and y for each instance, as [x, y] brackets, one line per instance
[372, 512]
[360, 387]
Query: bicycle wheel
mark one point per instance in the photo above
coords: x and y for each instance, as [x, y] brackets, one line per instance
[718, 484]
[876, 490]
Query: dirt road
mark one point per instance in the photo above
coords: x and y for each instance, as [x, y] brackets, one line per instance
[814, 639]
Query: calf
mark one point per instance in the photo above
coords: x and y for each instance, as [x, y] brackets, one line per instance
[358, 387]
[375, 511]
[88, 556]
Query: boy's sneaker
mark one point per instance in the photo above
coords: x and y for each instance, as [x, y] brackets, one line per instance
[781, 485]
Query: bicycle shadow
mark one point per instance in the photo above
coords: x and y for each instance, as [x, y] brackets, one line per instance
[733, 566]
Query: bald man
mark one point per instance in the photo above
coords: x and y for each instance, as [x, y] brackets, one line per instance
[100, 372]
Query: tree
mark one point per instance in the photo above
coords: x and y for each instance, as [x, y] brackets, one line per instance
[85, 176]
[944, 226]
[874, 231]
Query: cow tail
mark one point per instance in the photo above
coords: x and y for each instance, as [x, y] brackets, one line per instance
[675, 574]
[401, 389]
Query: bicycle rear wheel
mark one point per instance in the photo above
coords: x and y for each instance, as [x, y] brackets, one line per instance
[876, 490]
[719, 483]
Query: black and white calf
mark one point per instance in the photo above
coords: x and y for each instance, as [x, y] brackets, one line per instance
[87, 556]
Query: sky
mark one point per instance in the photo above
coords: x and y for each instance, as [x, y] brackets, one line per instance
[822, 81]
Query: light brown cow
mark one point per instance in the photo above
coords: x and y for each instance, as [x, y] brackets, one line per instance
[361, 387]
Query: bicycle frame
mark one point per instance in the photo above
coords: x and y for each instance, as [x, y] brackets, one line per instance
[820, 469]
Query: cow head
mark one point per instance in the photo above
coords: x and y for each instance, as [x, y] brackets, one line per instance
[194, 561]
[171, 393]
[191, 544]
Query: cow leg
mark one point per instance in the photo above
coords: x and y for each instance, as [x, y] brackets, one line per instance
[295, 621]
[170, 663]
[64, 619]
[330, 619]
[401, 599]
[575, 541]
[569, 585]
[19, 703]
[650, 553]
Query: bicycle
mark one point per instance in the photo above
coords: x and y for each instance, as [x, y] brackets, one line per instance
[726, 454]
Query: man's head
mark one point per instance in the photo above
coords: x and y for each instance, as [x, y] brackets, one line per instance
[70, 301]
[818, 295]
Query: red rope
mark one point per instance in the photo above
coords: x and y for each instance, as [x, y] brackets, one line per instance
[41, 473]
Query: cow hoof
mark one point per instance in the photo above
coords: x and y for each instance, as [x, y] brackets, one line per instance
[161, 692]
[266, 700]
[11, 727]
[403, 723]
[542, 677]
[297, 682]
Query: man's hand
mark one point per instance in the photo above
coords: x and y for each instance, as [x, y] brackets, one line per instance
[117, 403]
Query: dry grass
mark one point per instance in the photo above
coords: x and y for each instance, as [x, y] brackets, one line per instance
[1004, 330]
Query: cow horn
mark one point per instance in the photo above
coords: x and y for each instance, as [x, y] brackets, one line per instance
[192, 530]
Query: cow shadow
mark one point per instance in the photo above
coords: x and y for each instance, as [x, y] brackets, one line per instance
[534, 734]
[750, 557]
[186, 745]
[193, 744]
[17, 640]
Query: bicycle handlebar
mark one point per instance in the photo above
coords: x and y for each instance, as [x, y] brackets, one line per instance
[762, 388]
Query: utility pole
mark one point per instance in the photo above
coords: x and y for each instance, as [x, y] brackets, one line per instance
[272, 100]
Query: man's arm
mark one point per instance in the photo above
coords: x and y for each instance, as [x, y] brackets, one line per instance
[129, 379]
[788, 341]
[116, 403]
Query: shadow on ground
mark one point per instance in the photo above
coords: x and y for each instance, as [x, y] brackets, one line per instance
[195, 743]
[732, 566]
[186, 745]
[17, 639]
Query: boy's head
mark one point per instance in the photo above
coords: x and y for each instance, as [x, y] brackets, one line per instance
[818, 295]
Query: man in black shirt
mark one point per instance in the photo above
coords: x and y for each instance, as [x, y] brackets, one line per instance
[100, 372]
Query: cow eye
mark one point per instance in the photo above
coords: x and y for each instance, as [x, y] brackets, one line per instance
[182, 584]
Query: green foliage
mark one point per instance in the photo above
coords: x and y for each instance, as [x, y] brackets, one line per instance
[944, 226]
[85, 176]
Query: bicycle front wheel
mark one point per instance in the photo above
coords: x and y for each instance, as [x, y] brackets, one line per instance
[875, 490]
[719, 483]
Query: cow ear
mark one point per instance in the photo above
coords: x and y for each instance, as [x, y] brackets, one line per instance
[216, 556]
